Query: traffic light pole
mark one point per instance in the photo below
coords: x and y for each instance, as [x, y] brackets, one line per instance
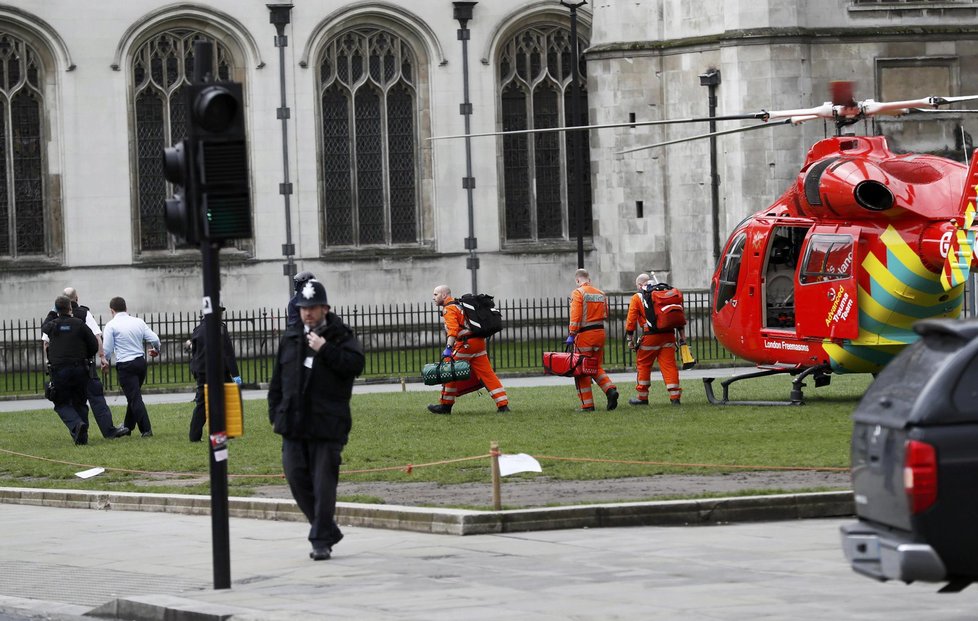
[214, 368]
[214, 365]
[211, 205]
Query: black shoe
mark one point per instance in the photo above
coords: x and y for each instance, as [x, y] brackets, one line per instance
[321, 553]
[119, 431]
[590, 409]
[440, 409]
[146, 434]
[80, 433]
[612, 399]
[638, 402]
[501, 409]
[676, 402]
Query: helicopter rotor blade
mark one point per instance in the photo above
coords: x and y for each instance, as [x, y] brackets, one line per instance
[940, 111]
[828, 110]
[547, 130]
[711, 134]
[871, 107]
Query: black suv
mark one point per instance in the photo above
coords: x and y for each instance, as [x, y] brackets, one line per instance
[915, 463]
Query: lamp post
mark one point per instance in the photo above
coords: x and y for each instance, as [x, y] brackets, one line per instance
[463, 13]
[280, 16]
[711, 79]
[576, 138]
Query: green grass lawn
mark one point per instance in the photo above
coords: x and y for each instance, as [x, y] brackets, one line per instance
[392, 430]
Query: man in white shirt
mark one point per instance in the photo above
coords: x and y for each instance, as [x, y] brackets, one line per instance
[125, 336]
[94, 390]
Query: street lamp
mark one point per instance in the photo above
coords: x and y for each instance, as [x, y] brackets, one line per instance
[280, 16]
[711, 79]
[463, 13]
[576, 138]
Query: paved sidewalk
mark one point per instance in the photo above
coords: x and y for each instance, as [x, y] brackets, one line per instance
[137, 565]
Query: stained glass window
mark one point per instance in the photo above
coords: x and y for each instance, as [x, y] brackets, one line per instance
[535, 91]
[369, 139]
[161, 68]
[23, 225]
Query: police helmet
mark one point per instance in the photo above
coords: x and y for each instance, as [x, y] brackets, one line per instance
[312, 293]
[301, 278]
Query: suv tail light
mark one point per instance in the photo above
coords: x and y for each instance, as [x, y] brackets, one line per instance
[920, 475]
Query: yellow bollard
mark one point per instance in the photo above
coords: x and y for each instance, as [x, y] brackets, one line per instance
[233, 409]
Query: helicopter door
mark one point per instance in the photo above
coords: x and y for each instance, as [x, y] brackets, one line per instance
[784, 248]
[826, 292]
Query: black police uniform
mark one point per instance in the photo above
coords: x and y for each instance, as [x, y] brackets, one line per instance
[309, 406]
[70, 346]
[94, 391]
[198, 368]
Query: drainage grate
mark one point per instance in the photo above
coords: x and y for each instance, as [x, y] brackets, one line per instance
[81, 585]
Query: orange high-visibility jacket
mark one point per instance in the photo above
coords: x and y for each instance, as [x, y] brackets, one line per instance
[454, 319]
[588, 309]
[636, 316]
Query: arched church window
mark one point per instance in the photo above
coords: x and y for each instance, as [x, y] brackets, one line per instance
[370, 163]
[535, 91]
[23, 205]
[161, 68]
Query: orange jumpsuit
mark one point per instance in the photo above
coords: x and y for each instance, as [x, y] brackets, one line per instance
[652, 346]
[588, 312]
[473, 351]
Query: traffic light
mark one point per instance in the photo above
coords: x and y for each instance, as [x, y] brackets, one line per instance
[221, 159]
[211, 166]
[180, 214]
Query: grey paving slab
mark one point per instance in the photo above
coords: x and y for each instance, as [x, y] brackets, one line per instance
[773, 570]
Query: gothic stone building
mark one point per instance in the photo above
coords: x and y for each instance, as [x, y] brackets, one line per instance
[340, 113]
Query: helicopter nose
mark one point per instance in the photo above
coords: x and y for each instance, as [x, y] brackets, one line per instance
[873, 195]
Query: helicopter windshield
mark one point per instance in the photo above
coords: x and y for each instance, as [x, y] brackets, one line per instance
[727, 282]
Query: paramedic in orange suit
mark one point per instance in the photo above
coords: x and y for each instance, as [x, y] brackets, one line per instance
[468, 348]
[588, 312]
[651, 346]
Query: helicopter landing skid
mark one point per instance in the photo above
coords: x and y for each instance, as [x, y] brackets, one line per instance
[796, 397]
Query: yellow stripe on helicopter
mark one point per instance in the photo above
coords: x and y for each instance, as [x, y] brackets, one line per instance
[903, 252]
[892, 284]
[961, 251]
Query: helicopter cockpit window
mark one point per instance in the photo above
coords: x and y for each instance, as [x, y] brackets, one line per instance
[829, 257]
[727, 285]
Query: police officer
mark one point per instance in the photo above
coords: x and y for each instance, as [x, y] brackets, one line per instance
[71, 344]
[94, 390]
[299, 281]
[198, 368]
[309, 406]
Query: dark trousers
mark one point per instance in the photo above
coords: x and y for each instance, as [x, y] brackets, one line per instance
[132, 374]
[199, 417]
[100, 409]
[312, 469]
[69, 385]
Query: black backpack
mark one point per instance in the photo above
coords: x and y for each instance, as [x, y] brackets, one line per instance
[482, 318]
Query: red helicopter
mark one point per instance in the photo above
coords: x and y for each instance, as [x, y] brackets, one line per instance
[865, 242]
[833, 275]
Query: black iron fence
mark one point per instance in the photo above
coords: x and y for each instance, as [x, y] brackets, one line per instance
[399, 340]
